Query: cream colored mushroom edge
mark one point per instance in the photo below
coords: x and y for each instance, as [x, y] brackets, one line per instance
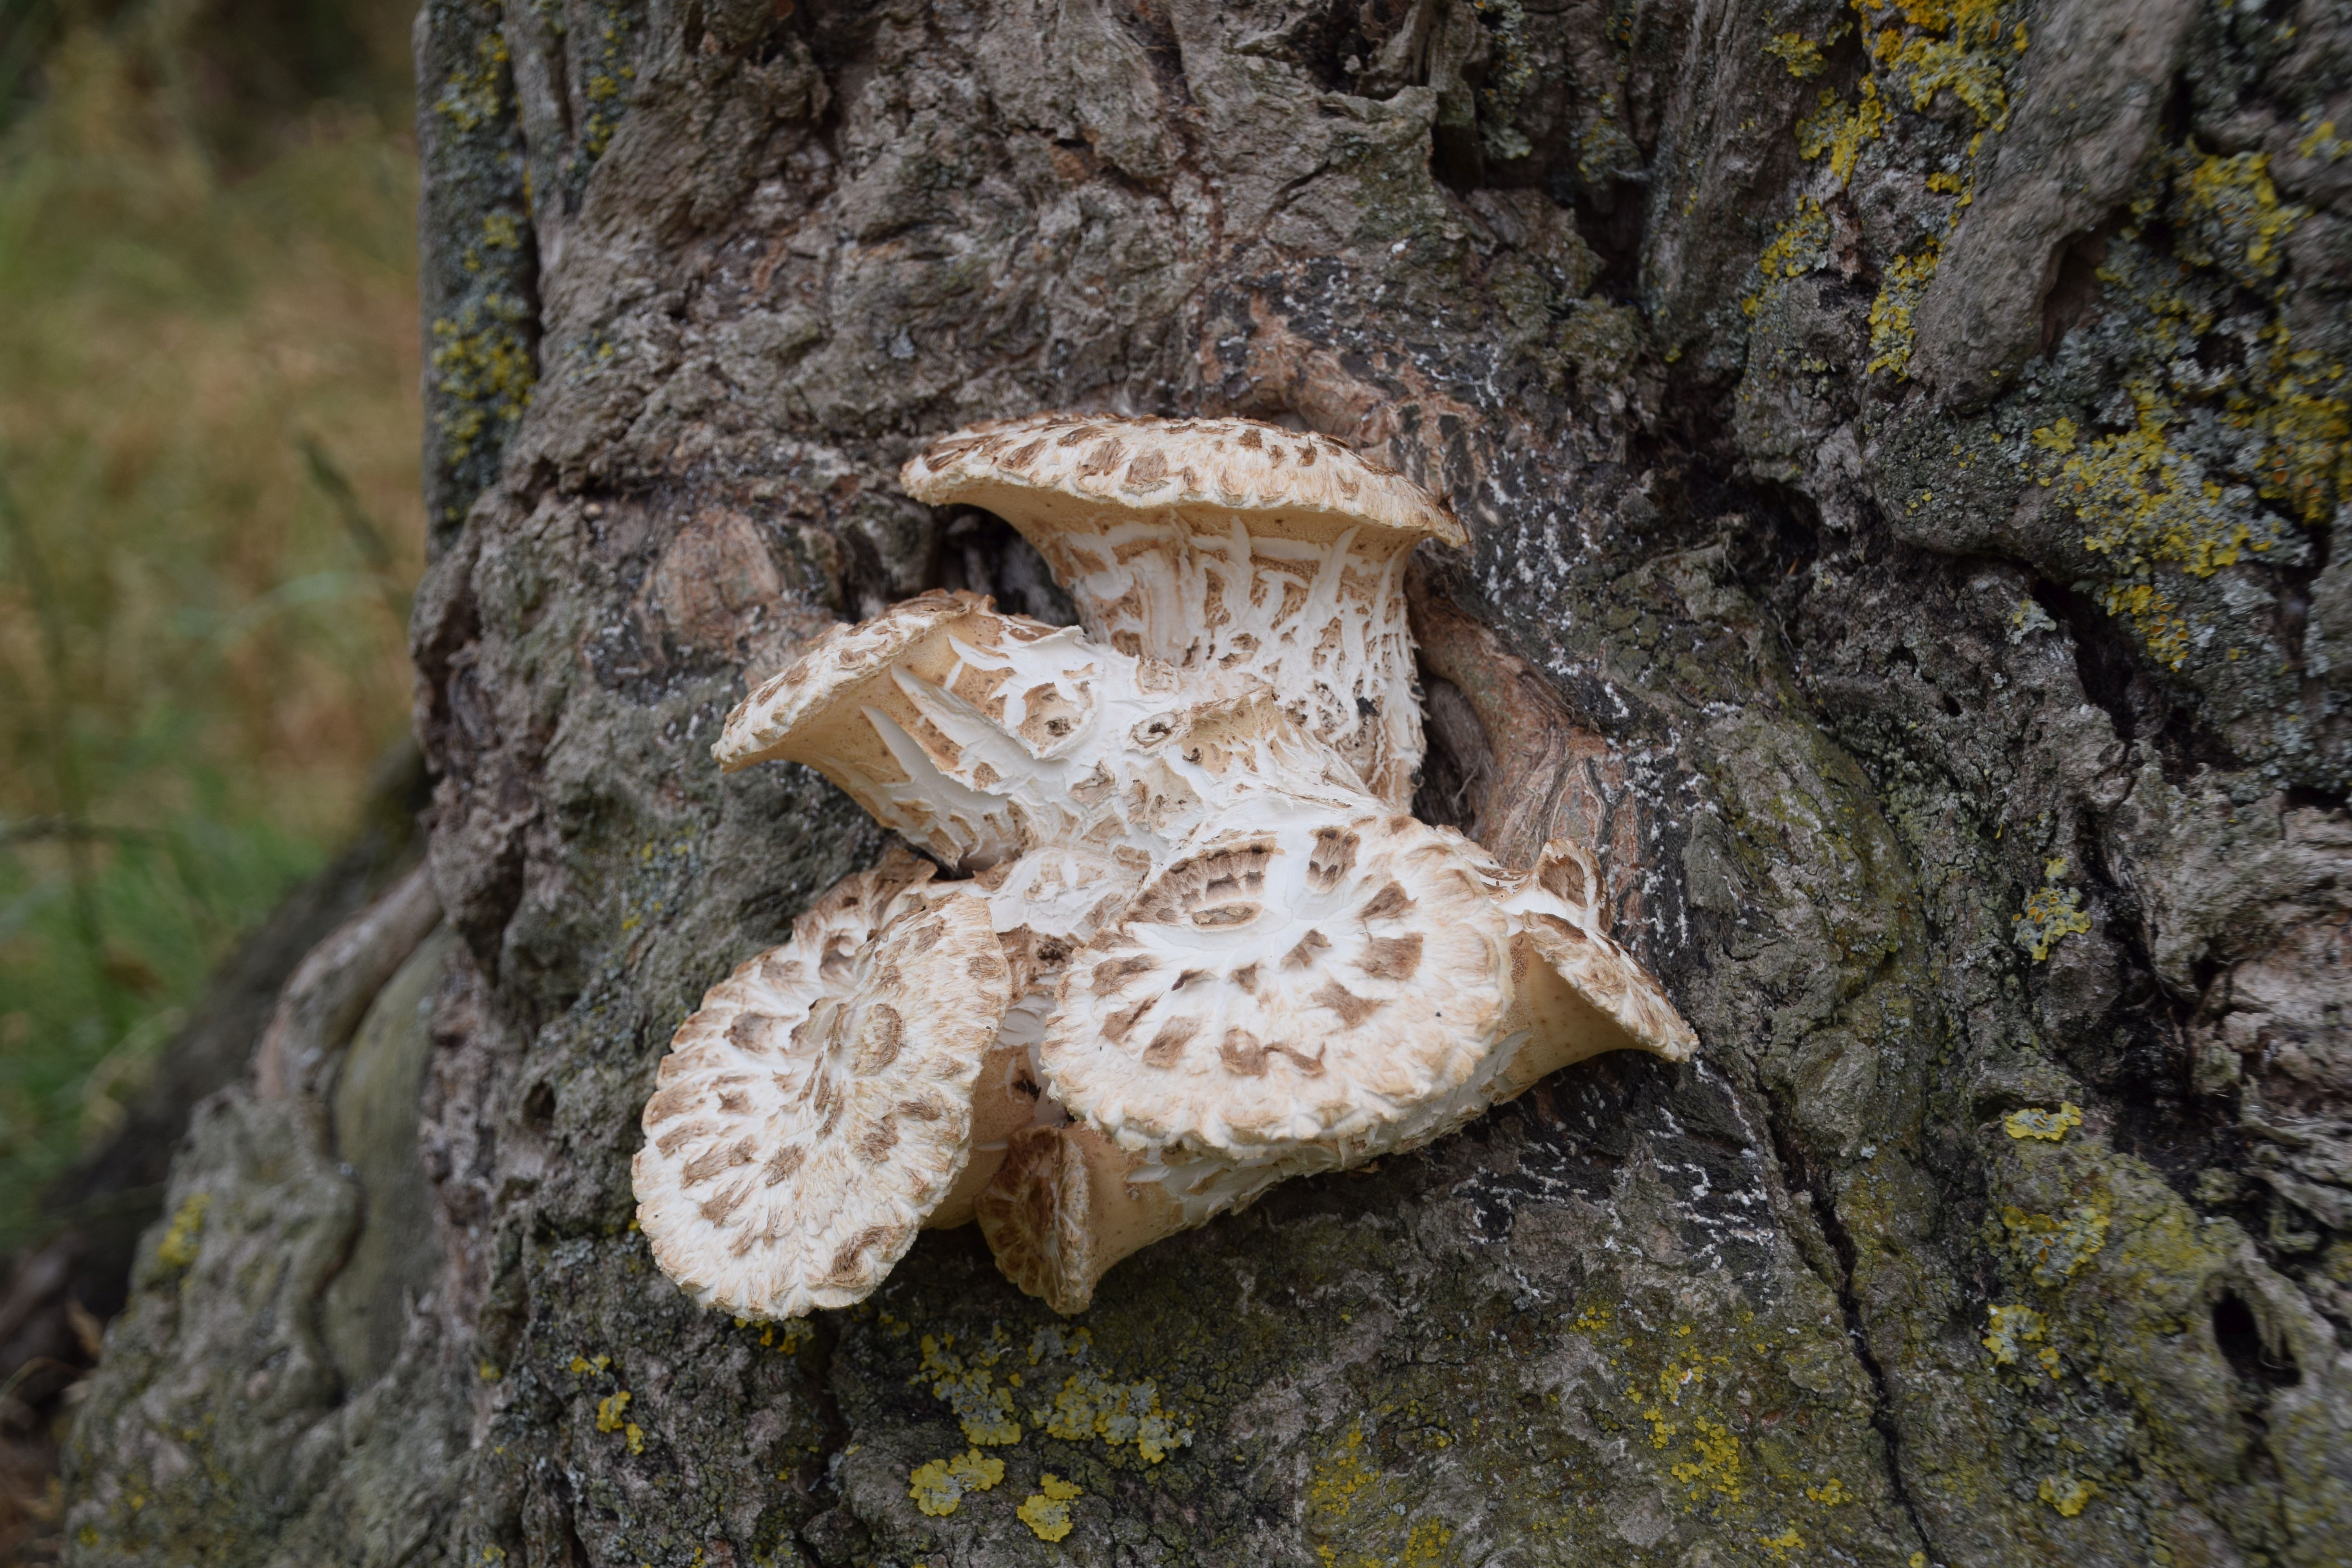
[1189, 942]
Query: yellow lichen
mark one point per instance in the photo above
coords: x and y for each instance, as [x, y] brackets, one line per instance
[1714, 1460]
[1333, 1481]
[2068, 1494]
[2322, 143]
[471, 97]
[1799, 53]
[1801, 246]
[1780, 1545]
[1831, 1493]
[1891, 331]
[1089, 1407]
[1956, 48]
[2028, 618]
[2053, 912]
[2011, 1329]
[184, 1236]
[2160, 497]
[786, 1337]
[1046, 1511]
[593, 1364]
[484, 364]
[939, 1485]
[967, 1383]
[1839, 132]
[610, 1411]
[2054, 1247]
[1424, 1545]
[2052, 1126]
[2228, 214]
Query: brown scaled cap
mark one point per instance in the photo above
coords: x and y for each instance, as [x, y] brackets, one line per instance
[818, 1106]
[1055, 467]
[1299, 977]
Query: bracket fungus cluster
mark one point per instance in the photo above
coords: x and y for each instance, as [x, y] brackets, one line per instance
[1193, 943]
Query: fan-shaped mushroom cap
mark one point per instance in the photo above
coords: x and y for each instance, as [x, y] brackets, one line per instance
[818, 1106]
[981, 736]
[1575, 992]
[1223, 545]
[1296, 976]
[864, 706]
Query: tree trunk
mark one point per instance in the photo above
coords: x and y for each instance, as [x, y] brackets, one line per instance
[1900, 449]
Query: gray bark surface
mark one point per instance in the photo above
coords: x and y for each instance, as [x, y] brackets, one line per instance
[1904, 452]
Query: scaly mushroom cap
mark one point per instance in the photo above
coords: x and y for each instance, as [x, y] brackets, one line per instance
[1296, 975]
[818, 1106]
[1223, 545]
[977, 735]
[885, 710]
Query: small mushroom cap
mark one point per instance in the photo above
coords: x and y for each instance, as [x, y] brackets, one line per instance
[977, 735]
[1050, 467]
[1294, 976]
[818, 1106]
[1577, 992]
[854, 707]
[1223, 545]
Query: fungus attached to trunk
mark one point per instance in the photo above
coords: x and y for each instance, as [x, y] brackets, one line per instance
[1223, 545]
[817, 1107]
[1202, 950]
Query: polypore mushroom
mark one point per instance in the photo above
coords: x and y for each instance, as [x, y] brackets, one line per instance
[817, 1107]
[1203, 950]
[1183, 1114]
[1223, 545]
[1300, 988]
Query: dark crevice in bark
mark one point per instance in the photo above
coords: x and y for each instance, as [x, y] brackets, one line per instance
[1800, 1175]
[2139, 704]
[814, 1478]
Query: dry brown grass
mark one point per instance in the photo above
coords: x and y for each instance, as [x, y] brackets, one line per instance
[197, 646]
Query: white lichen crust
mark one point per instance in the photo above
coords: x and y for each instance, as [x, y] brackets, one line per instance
[817, 1108]
[1223, 545]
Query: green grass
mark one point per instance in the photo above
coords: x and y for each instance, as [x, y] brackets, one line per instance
[208, 525]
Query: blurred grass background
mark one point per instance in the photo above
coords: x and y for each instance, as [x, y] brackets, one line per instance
[209, 512]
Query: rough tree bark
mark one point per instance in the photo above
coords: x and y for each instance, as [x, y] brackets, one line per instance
[1906, 454]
